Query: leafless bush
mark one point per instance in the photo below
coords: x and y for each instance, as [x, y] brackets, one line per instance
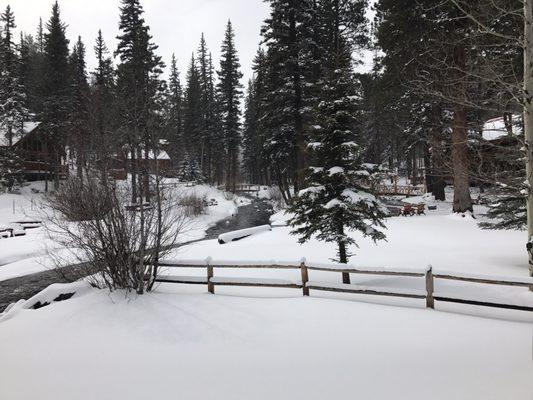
[121, 244]
[193, 205]
[276, 197]
[229, 196]
[72, 197]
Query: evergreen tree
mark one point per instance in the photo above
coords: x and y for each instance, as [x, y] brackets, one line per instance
[336, 200]
[292, 35]
[229, 94]
[137, 87]
[79, 106]
[103, 107]
[11, 168]
[190, 172]
[174, 111]
[208, 107]
[13, 110]
[192, 116]
[54, 116]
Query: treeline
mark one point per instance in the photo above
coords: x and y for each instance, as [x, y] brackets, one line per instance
[442, 70]
[125, 108]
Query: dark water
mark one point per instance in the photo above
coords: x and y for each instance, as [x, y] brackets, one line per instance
[255, 214]
[24, 287]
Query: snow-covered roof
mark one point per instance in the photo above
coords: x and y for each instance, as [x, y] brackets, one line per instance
[27, 127]
[495, 128]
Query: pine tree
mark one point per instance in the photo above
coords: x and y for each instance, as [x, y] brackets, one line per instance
[137, 88]
[174, 112]
[290, 93]
[229, 94]
[190, 172]
[208, 108]
[13, 109]
[56, 88]
[103, 107]
[11, 168]
[192, 116]
[336, 200]
[79, 106]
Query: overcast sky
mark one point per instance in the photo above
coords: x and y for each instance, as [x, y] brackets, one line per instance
[176, 25]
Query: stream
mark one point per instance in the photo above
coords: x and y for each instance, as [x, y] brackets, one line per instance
[24, 287]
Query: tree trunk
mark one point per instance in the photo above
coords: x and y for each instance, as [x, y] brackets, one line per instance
[437, 160]
[299, 137]
[528, 120]
[462, 201]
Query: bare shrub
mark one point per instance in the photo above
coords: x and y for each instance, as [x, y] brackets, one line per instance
[275, 195]
[193, 205]
[229, 196]
[120, 244]
[72, 198]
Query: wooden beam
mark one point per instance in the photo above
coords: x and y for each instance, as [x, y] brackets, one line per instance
[484, 303]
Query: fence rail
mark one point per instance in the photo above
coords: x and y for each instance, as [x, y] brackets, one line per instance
[306, 285]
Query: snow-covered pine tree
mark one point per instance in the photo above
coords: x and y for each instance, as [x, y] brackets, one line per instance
[174, 112]
[336, 201]
[11, 168]
[190, 172]
[250, 143]
[13, 109]
[192, 112]
[291, 72]
[229, 94]
[207, 105]
[506, 197]
[138, 86]
[103, 107]
[79, 107]
[54, 117]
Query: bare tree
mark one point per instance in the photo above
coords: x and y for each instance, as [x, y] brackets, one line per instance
[120, 244]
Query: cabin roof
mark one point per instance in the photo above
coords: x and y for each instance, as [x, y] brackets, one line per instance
[27, 128]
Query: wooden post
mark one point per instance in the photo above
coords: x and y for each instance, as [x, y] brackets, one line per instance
[305, 278]
[210, 285]
[430, 301]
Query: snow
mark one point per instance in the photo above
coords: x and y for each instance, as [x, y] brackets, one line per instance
[254, 281]
[376, 289]
[27, 127]
[495, 128]
[231, 236]
[335, 170]
[198, 346]
[448, 243]
[31, 253]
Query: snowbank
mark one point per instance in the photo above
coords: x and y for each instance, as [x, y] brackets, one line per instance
[242, 233]
[169, 345]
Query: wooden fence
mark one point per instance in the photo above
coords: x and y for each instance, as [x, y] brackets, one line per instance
[395, 189]
[306, 285]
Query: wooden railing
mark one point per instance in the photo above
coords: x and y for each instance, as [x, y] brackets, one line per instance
[399, 190]
[305, 284]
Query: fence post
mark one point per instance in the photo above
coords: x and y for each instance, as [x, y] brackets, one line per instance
[305, 277]
[210, 285]
[430, 301]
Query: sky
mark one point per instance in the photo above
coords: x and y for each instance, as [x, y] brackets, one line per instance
[176, 25]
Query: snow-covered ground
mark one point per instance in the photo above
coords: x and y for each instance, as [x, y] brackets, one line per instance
[29, 254]
[260, 343]
[199, 346]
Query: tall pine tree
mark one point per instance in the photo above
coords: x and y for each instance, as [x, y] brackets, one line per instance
[337, 200]
[229, 94]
